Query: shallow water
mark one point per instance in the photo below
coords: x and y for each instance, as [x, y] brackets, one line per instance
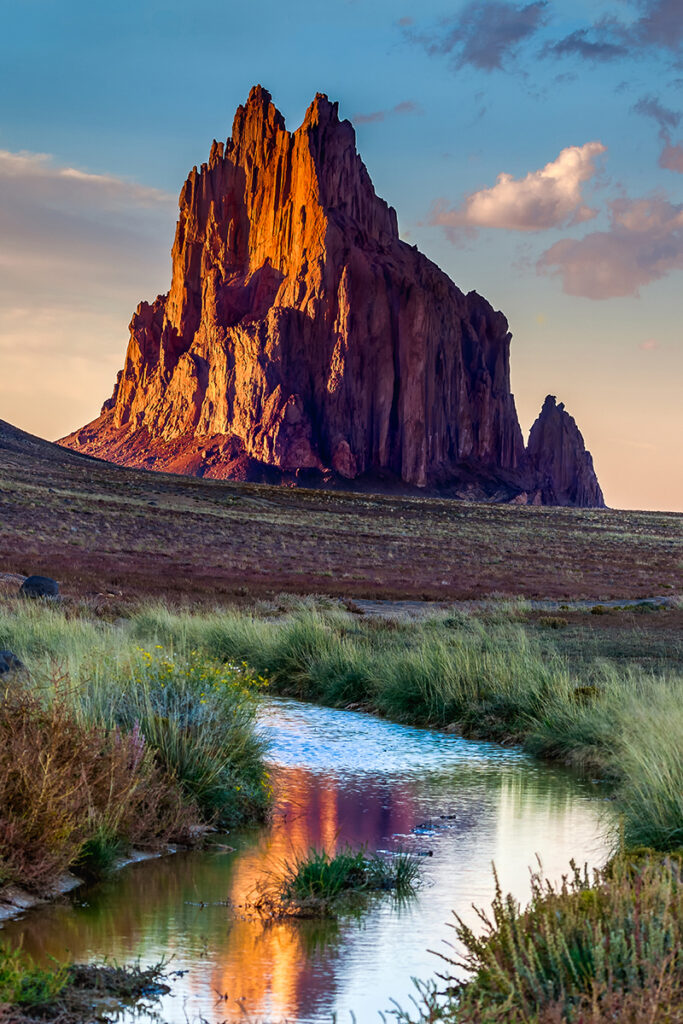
[341, 777]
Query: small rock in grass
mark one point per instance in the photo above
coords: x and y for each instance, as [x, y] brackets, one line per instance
[10, 663]
[39, 586]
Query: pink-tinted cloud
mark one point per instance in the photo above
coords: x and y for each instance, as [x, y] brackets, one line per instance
[649, 345]
[405, 107]
[644, 243]
[671, 157]
[38, 175]
[548, 198]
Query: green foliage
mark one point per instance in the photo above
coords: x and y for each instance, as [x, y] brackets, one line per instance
[22, 983]
[111, 745]
[73, 993]
[198, 717]
[649, 752]
[577, 952]
[98, 854]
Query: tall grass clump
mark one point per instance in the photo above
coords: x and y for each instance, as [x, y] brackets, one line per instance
[198, 717]
[580, 953]
[41, 634]
[649, 753]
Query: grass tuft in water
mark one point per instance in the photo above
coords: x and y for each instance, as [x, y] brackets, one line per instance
[319, 884]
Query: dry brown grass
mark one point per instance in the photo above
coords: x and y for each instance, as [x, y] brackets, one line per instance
[65, 784]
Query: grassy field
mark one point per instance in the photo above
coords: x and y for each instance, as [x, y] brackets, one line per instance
[504, 674]
[116, 535]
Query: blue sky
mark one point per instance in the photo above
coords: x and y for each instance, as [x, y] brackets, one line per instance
[105, 108]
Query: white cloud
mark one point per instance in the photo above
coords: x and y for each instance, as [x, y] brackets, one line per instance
[37, 171]
[644, 243]
[548, 198]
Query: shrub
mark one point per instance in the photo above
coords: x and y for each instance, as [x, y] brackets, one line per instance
[22, 983]
[63, 783]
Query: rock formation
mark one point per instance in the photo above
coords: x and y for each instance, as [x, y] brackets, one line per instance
[301, 339]
[562, 468]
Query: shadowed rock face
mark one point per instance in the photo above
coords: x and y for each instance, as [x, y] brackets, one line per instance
[302, 339]
[558, 459]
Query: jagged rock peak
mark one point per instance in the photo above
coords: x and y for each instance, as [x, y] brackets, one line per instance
[558, 456]
[300, 335]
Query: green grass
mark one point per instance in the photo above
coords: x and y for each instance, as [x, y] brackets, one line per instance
[320, 884]
[649, 752]
[72, 993]
[589, 951]
[494, 678]
[24, 984]
[198, 716]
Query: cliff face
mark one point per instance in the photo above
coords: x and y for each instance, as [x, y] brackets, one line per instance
[302, 337]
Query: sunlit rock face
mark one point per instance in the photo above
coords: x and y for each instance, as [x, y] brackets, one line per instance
[301, 339]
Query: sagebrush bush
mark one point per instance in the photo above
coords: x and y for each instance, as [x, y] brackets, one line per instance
[588, 950]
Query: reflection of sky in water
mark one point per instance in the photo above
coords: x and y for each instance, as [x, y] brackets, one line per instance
[346, 743]
[341, 777]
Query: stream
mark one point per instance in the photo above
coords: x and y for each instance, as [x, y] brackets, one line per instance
[340, 777]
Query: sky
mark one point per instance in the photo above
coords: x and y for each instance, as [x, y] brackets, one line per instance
[533, 150]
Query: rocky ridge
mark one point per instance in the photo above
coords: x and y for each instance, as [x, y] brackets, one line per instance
[302, 340]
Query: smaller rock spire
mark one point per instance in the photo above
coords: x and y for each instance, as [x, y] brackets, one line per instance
[562, 466]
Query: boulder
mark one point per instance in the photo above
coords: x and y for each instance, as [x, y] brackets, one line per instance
[40, 586]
